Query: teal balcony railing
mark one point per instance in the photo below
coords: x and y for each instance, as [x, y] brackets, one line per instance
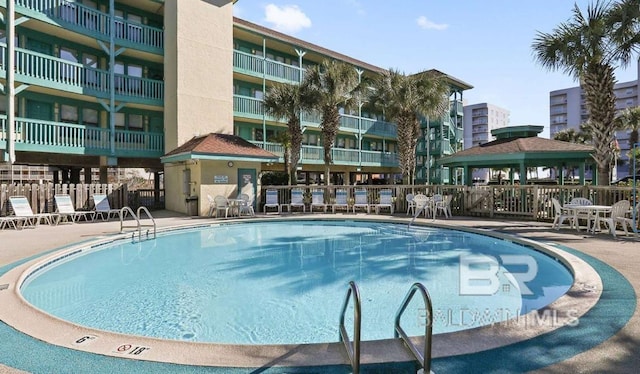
[250, 107]
[41, 69]
[315, 155]
[258, 66]
[80, 18]
[57, 137]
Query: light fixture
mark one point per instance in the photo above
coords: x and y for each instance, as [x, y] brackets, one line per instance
[230, 164]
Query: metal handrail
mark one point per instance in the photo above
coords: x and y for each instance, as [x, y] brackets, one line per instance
[423, 358]
[136, 216]
[353, 351]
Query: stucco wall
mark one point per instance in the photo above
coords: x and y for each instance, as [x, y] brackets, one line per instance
[204, 174]
[198, 69]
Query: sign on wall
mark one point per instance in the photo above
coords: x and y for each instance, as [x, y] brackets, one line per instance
[220, 179]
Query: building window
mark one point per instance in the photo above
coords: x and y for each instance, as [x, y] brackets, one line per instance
[90, 116]
[120, 120]
[135, 121]
[68, 114]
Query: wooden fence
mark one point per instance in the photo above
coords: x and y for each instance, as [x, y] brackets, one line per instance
[41, 196]
[532, 202]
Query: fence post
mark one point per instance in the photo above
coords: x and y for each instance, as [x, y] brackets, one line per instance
[535, 202]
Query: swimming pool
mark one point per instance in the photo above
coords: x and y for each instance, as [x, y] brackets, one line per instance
[283, 282]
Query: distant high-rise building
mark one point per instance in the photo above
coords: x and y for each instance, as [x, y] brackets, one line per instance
[479, 120]
[567, 110]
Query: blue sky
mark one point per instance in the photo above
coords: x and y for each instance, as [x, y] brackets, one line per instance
[485, 43]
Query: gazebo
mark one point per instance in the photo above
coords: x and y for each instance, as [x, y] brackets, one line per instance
[518, 148]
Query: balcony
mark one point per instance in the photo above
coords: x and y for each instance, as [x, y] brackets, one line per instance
[79, 18]
[65, 138]
[252, 108]
[257, 66]
[48, 71]
[315, 155]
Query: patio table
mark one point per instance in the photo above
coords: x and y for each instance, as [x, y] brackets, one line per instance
[595, 211]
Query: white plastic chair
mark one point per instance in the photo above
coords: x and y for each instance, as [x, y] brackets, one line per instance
[386, 201]
[271, 201]
[578, 214]
[246, 207]
[423, 204]
[361, 200]
[444, 206]
[618, 214]
[411, 205]
[222, 205]
[317, 200]
[212, 205]
[561, 214]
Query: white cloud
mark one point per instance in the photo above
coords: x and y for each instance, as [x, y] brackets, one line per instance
[425, 23]
[287, 19]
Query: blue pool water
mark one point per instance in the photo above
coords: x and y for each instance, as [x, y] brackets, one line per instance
[283, 282]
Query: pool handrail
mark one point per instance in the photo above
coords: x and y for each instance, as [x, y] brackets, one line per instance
[424, 358]
[137, 217]
[353, 351]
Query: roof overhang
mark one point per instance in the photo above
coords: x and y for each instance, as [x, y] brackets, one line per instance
[181, 157]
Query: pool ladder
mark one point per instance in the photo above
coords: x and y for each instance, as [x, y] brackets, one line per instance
[137, 217]
[353, 349]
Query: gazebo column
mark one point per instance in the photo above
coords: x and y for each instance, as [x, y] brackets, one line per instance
[468, 176]
[582, 173]
[523, 174]
[512, 176]
[561, 174]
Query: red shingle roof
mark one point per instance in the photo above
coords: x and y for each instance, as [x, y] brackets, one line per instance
[520, 145]
[221, 144]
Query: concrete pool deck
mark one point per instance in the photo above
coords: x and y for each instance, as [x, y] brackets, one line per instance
[616, 354]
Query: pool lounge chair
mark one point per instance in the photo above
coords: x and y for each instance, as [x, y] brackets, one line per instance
[386, 201]
[297, 200]
[271, 201]
[68, 213]
[22, 208]
[361, 201]
[317, 200]
[103, 209]
[12, 221]
[341, 201]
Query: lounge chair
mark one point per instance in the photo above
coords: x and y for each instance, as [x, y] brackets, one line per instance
[341, 201]
[561, 214]
[12, 221]
[317, 200]
[361, 200]
[386, 201]
[22, 208]
[103, 209]
[271, 201]
[222, 205]
[297, 200]
[68, 213]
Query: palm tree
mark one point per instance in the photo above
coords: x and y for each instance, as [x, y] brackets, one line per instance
[582, 136]
[629, 119]
[406, 99]
[286, 101]
[334, 85]
[588, 47]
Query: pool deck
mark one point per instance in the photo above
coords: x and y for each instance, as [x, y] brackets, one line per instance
[618, 354]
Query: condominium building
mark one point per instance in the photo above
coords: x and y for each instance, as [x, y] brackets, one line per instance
[567, 110]
[100, 84]
[479, 120]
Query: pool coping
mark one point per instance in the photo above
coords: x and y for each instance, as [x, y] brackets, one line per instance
[582, 296]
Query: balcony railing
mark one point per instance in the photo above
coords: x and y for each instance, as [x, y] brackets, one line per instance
[67, 138]
[93, 22]
[315, 155]
[259, 66]
[253, 108]
[37, 68]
